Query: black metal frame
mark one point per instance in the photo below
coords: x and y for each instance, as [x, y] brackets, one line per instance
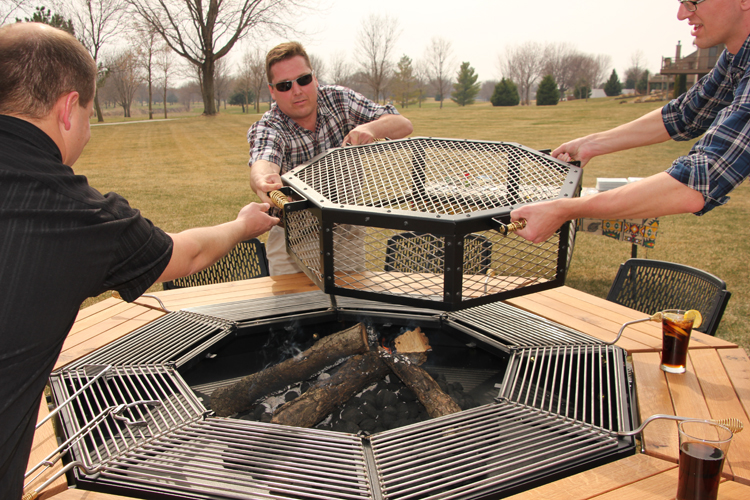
[453, 228]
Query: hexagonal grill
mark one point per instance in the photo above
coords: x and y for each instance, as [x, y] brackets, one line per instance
[421, 221]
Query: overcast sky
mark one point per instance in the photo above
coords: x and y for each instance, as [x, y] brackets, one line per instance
[479, 30]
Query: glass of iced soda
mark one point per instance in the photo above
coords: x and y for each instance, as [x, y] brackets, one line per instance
[703, 447]
[676, 326]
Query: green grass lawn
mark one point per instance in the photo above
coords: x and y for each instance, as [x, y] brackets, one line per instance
[192, 171]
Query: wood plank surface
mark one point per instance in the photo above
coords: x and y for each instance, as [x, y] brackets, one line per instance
[603, 479]
[724, 403]
[662, 486]
[737, 365]
[231, 292]
[534, 306]
[660, 436]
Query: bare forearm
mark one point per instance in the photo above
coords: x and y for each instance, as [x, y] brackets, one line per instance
[387, 126]
[655, 196]
[644, 131]
[196, 249]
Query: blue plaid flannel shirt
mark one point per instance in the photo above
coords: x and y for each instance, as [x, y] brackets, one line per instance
[278, 139]
[719, 107]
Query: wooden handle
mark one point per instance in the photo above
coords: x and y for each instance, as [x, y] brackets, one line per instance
[278, 198]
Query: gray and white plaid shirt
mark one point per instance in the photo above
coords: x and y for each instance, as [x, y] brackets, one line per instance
[278, 139]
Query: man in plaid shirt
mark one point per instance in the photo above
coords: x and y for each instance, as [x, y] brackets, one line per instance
[307, 120]
[717, 106]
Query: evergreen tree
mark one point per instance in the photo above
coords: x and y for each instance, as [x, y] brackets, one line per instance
[642, 86]
[613, 86]
[466, 87]
[42, 15]
[547, 93]
[404, 83]
[505, 94]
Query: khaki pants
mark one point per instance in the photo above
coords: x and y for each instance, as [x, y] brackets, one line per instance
[279, 261]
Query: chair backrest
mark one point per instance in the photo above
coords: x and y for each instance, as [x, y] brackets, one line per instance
[654, 285]
[423, 253]
[246, 260]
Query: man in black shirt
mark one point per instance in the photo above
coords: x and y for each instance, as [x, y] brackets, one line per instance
[62, 241]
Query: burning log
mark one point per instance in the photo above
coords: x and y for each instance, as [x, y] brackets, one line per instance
[243, 394]
[320, 399]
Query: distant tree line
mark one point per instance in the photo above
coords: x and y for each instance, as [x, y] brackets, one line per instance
[185, 40]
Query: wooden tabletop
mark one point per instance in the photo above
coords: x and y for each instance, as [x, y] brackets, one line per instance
[716, 385]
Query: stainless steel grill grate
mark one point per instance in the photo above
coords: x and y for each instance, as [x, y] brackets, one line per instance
[140, 429]
[582, 382]
[480, 452]
[417, 221]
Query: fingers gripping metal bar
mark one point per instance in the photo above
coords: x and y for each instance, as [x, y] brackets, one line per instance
[504, 229]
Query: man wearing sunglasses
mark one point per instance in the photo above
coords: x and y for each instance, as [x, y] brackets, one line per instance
[306, 120]
[718, 106]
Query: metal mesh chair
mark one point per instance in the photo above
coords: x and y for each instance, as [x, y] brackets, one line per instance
[246, 260]
[423, 253]
[653, 285]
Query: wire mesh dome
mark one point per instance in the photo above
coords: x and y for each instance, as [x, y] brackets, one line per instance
[424, 221]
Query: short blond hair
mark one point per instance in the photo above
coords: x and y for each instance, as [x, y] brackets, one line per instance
[38, 65]
[282, 52]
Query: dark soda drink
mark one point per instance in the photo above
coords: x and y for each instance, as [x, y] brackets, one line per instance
[700, 471]
[675, 339]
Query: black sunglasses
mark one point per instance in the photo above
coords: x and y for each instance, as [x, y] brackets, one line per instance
[285, 86]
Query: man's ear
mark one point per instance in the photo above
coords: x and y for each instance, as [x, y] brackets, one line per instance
[70, 101]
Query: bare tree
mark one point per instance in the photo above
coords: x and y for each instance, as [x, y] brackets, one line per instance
[97, 23]
[523, 65]
[222, 81]
[376, 40]
[146, 47]
[204, 32]
[253, 74]
[636, 69]
[10, 8]
[439, 62]
[421, 81]
[558, 63]
[341, 71]
[164, 63]
[319, 67]
[487, 89]
[125, 76]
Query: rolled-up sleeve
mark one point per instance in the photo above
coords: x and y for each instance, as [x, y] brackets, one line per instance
[719, 108]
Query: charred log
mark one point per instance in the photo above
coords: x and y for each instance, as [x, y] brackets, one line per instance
[428, 391]
[321, 399]
[243, 394]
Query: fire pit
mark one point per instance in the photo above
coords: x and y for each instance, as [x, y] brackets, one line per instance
[548, 401]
